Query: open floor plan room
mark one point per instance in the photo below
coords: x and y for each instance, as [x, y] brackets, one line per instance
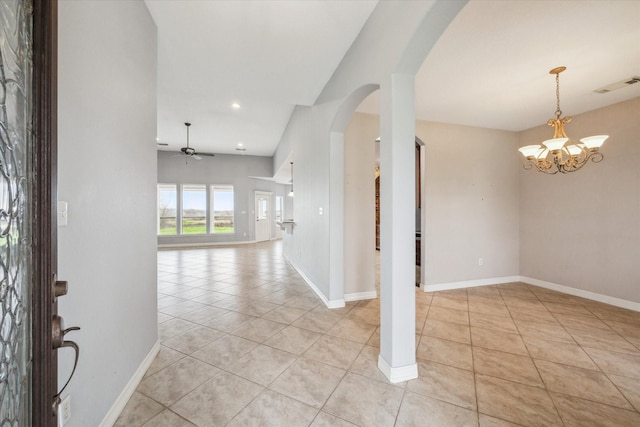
[245, 341]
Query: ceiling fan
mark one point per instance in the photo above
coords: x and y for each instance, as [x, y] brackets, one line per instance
[191, 152]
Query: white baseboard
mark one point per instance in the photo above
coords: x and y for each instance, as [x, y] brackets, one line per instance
[337, 303]
[399, 374]
[360, 296]
[469, 283]
[117, 407]
[618, 302]
[202, 245]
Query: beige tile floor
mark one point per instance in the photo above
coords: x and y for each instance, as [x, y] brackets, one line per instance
[245, 342]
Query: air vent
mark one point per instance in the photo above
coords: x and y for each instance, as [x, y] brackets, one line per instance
[618, 85]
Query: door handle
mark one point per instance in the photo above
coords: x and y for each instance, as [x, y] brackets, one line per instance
[58, 341]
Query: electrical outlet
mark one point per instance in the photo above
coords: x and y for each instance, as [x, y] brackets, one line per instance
[480, 262]
[65, 410]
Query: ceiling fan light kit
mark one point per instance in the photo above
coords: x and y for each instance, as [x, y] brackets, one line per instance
[559, 154]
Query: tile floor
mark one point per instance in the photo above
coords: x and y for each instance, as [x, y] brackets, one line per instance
[245, 342]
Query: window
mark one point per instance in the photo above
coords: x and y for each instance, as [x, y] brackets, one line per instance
[197, 208]
[278, 208]
[263, 205]
[194, 209]
[167, 209]
[222, 209]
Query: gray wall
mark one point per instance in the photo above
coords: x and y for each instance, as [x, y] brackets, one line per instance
[582, 229]
[107, 174]
[471, 203]
[223, 169]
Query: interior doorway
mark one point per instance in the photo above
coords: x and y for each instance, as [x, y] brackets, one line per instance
[263, 216]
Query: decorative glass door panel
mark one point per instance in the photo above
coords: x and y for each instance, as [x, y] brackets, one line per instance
[16, 125]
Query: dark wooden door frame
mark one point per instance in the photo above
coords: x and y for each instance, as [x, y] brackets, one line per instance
[44, 194]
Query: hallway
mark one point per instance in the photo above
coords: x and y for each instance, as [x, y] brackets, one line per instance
[246, 342]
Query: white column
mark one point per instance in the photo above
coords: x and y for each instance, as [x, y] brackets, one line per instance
[397, 359]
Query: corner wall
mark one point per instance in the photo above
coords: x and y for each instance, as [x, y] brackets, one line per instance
[107, 174]
[397, 36]
[582, 229]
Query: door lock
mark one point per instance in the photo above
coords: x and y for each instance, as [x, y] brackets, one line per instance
[60, 288]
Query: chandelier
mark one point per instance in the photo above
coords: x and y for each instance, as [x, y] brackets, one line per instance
[559, 154]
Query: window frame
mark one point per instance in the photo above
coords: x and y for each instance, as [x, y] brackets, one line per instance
[206, 208]
[212, 189]
[176, 207]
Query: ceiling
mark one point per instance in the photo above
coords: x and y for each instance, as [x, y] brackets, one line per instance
[489, 69]
[491, 66]
[267, 56]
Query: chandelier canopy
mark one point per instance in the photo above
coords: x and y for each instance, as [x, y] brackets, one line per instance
[560, 154]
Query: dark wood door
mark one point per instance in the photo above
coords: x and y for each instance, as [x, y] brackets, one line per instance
[28, 367]
[44, 225]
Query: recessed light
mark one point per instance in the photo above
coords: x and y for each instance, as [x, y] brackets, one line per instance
[235, 106]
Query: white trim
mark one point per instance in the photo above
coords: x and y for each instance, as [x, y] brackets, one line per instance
[618, 302]
[359, 296]
[117, 407]
[470, 283]
[399, 374]
[336, 303]
[202, 245]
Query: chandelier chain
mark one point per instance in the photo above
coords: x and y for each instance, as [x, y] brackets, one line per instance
[558, 111]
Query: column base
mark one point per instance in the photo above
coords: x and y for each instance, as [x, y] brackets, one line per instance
[399, 374]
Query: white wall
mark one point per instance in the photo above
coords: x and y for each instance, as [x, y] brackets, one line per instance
[107, 174]
[471, 203]
[360, 203]
[582, 229]
[308, 246]
[223, 169]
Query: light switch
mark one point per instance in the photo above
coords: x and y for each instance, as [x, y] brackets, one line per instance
[63, 214]
[320, 211]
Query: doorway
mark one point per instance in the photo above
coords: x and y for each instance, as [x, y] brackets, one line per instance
[263, 216]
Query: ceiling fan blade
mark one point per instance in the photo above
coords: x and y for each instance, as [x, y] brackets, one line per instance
[206, 154]
[195, 156]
